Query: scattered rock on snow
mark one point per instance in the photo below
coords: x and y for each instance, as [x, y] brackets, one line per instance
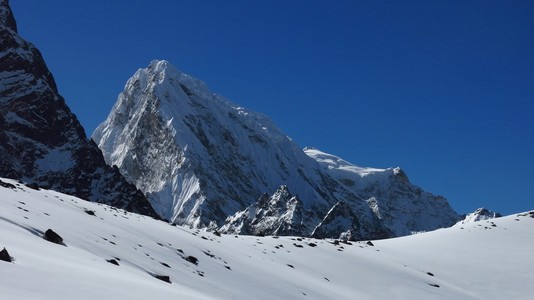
[434, 285]
[370, 243]
[89, 212]
[192, 260]
[4, 255]
[7, 185]
[53, 237]
[209, 254]
[113, 261]
[165, 278]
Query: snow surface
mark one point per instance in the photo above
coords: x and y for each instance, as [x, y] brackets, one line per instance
[490, 259]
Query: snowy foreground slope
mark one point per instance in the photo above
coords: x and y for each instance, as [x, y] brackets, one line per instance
[491, 259]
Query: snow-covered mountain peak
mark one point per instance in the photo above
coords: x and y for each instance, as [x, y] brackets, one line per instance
[204, 161]
[162, 72]
[204, 135]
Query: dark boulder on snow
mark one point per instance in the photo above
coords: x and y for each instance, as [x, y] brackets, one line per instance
[89, 212]
[4, 255]
[113, 261]
[53, 237]
[192, 259]
[165, 278]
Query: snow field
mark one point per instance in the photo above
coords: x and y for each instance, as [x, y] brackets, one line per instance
[476, 261]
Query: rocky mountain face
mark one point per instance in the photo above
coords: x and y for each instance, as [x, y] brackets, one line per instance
[41, 141]
[206, 162]
[279, 214]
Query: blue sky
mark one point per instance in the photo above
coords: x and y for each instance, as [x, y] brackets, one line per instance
[443, 89]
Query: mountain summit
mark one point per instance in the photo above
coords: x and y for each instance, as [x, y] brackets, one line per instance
[206, 162]
[41, 141]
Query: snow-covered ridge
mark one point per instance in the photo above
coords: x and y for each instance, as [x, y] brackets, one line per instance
[108, 253]
[204, 161]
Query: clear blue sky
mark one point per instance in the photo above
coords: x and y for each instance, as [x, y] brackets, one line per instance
[443, 89]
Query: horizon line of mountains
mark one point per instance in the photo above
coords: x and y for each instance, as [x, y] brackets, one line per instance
[171, 149]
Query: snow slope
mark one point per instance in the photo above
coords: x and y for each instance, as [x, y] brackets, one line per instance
[491, 259]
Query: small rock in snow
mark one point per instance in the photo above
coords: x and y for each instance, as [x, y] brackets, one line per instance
[4, 255]
[165, 278]
[192, 260]
[53, 237]
[89, 212]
